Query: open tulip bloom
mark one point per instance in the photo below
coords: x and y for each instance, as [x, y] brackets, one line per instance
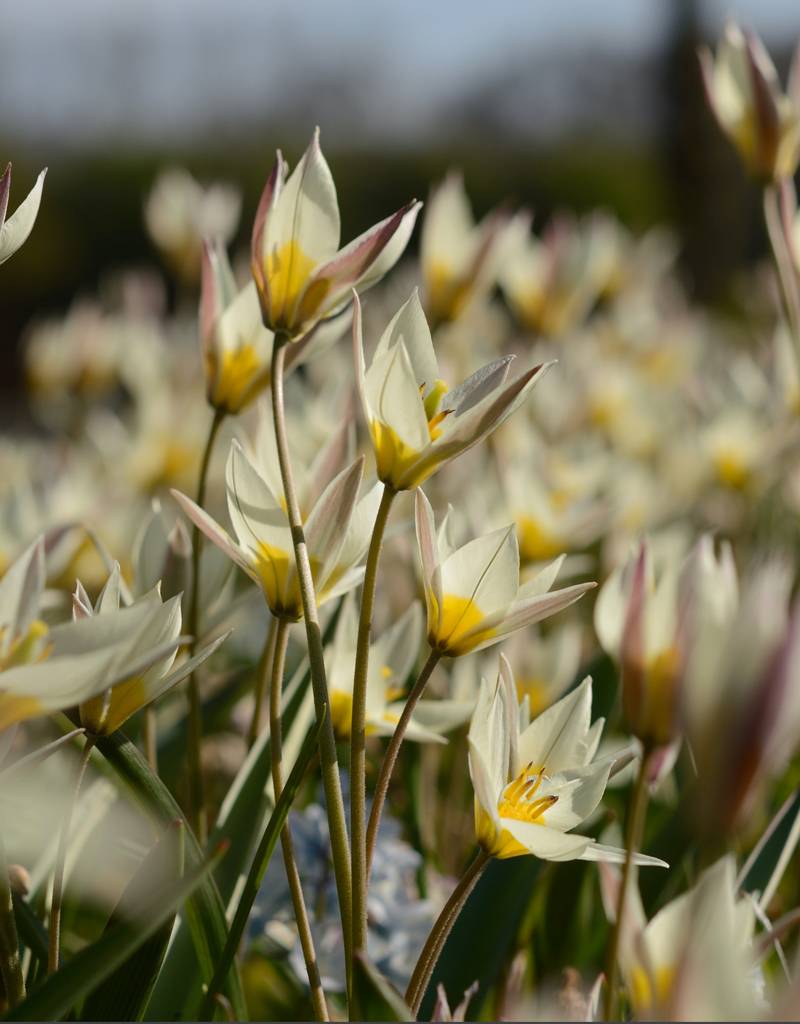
[536, 781]
[416, 422]
[15, 230]
[473, 595]
[746, 97]
[301, 274]
[105, 713]
[45, 669]
[262, 547]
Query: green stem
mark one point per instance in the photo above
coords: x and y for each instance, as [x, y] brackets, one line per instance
[10, 964]
[264, 663]
[150, 736]
[197, 808]
[54, 948]
[393, 749]
[290, 864]
[434, 944]
[637, 809]
[787, 276]
[337, 823]
[358, 733]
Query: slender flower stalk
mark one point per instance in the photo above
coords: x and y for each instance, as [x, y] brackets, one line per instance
[358, 731]
[329, 764]
[781, 251]
[54, 947]
[637, 810]
[196, 789]
[266, 659]
[434, 945]
[277, 639]
[392, 751]
[150, 737]
[10, 965]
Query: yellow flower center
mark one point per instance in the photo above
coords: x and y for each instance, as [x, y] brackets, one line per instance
[292, 300]
[518, 800]
[732, 468]
[272, 566]
[447, 293]
[536, 542]
[239, 378]
[457, 628]
[648, 990]
[537, 691]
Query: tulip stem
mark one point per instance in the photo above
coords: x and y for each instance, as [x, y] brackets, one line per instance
[277, 640]
[392, 751]
[358, 734]
[10, 964]
[264, 663]
[150, 737]
[337, 822]
[197, 807]
[787, 278]
[440, 932]
[54, 948]
[637, 809]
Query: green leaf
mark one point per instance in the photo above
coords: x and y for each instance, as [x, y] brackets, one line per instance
[374, 997]
[259, 865]
[30, 929]
[765, 866]
[484, 935]
[204, 912]
[59, 992]
[124, 994]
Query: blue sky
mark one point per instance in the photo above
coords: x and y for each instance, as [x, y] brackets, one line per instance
[86, 69]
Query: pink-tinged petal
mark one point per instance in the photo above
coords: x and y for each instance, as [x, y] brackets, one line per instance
[632, 645]
[429, 554]
[477, 386]
[266, 203]
[81, 602]
[511, 706]
[5, 189]
[793, 83]
[15, 230]
[706, 60]
[767, 119]
[351, 265]
[472, 426]
[527, 612]
[215, 533]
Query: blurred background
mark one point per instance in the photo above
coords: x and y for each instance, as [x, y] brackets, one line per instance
[574, 104]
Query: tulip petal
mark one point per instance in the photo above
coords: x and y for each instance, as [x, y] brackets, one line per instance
[409, 327]
[19, 225]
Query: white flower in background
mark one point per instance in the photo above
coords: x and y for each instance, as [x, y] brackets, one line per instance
[301, 274]
[745, 95]
[105, 713]
[14, 230]
[536, 781]
[458, 256]
[45, 669]
[547, 662]
[473, 595]
[262, 547]
[695, 959]
[416, 422]
[179, 213]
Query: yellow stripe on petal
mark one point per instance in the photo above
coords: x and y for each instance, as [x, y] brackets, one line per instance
[272, 566]
[103, 715]
[238, 379]
[17, 709]
[648, 992]
[394, 457]
[288, 269]
[457, 629]
[536, 542]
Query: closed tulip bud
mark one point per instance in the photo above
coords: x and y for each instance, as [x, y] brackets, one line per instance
[745, 96]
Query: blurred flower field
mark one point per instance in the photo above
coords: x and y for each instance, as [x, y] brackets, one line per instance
[407, 630]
